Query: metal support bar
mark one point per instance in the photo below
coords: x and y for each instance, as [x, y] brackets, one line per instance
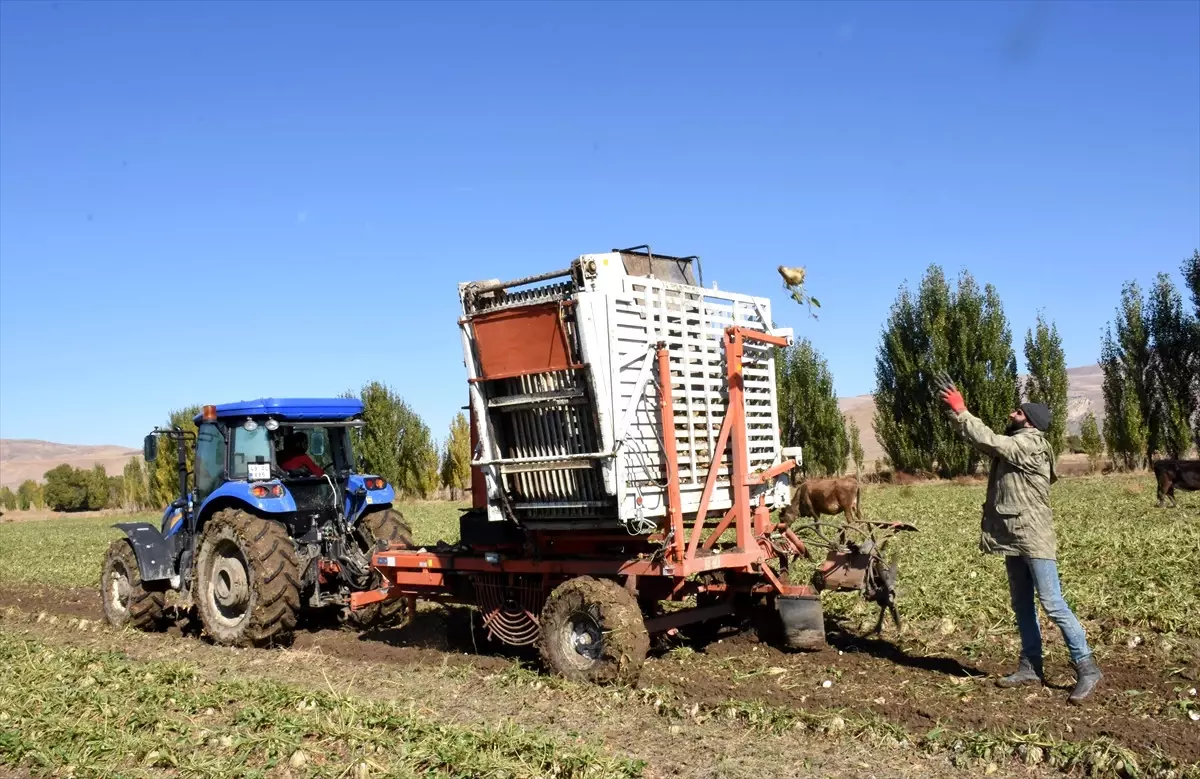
[639, 390]
[709, 484]
[494, 285]
[771, 473]
[567, 396]
[687, 617]
[567, 465]
[736, 413]
[719, 530]
[766, 571]
[748, 334]
[546, 459]
[666, 408]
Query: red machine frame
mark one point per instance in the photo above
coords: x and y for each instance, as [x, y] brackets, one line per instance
[661, 565]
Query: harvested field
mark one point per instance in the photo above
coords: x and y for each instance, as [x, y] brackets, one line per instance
[420, 702]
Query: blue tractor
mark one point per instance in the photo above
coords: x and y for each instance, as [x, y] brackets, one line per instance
[272, 520]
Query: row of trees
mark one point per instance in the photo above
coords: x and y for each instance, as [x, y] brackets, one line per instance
[79, 489]
[396, 444]
[963, 331]
[1150, 358]
[27, 496]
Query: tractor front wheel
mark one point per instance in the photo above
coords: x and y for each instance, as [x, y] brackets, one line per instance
[592, 630]
[387, 525]
[247, 580]
[127, 602]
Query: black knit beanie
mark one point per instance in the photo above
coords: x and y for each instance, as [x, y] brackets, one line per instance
[1038, 415]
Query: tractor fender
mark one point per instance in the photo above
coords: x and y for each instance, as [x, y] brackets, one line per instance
[360, 501]
[152, 550]
[238, 492]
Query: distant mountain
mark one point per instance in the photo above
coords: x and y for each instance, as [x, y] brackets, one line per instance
[22, 458]
[1084, 393]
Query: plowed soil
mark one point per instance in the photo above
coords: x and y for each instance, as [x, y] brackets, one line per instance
[909, 684]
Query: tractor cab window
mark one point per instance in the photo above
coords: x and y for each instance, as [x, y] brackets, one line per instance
[325, 446]
[210, 459]
[249, 446]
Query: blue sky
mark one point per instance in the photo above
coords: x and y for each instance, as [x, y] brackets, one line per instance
[209, 202]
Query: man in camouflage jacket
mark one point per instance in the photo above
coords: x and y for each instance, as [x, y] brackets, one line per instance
[1018, 523]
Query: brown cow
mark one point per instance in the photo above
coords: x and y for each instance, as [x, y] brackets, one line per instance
[823, 496]
[1184, 474]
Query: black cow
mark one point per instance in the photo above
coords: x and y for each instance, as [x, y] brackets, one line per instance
[1184, 474]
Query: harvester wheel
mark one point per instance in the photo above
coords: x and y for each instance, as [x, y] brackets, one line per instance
[387, 525]
[247, 580]
[127, 602]
[592, 630]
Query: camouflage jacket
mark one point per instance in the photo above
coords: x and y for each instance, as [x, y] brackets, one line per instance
[1016, 515]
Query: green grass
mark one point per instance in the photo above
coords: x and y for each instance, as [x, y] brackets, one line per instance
[433, 521]
[1126, 566]
[68, 552]
[103, 714]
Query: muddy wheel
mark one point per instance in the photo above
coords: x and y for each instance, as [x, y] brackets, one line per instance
[247, 581]
[387, 525]
[592, 630]
[127, 602]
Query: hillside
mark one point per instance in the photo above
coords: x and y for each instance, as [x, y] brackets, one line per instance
[1083, 395]
[22, 459]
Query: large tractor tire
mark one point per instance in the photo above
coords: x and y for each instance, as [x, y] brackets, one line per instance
[592, 630]
[247, 581]
[387, 525]
[126, 600]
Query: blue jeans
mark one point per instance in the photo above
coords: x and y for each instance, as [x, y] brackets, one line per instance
[1025, 574]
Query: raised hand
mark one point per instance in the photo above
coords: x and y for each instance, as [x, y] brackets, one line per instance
[949, 392]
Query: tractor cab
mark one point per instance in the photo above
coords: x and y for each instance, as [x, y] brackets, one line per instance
[289, 457]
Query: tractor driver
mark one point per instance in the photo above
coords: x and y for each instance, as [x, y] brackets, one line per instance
[294, 455]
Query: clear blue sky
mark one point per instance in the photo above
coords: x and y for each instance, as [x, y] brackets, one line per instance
[210, 202]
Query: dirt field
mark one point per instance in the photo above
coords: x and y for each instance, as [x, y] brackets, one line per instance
[921, 703]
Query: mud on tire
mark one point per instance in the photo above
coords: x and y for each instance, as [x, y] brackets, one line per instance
[387, 525]
[247, 587]
[592, 630]
[126, 601]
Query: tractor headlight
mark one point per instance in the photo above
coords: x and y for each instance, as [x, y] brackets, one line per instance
[250, 425]
[272, 425]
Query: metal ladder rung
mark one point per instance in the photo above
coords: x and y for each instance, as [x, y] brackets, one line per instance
[555, 397]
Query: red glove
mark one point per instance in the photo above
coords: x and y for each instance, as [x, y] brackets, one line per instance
[954, 399]
[951, 394]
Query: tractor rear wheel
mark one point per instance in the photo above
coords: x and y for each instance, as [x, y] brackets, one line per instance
[592, 630]
[127, 602]
[387, 525]
[247, 580]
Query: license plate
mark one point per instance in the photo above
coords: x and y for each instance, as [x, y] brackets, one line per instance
[260, 471]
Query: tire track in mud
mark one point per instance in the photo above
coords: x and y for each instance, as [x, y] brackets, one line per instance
[917, 692]
[1133, 706]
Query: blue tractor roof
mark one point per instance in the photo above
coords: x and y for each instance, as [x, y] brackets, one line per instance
[291, 409]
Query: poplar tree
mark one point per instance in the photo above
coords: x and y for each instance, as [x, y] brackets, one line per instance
[808, 409]
[1047, 383]
[963, 332]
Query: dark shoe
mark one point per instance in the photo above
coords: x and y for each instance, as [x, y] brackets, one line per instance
[1028, 672]
[1087, 676]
